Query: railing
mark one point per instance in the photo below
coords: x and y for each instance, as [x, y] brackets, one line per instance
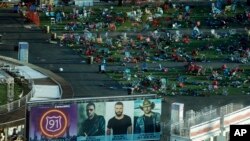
[13, 122]
[20, 102]
[227, 109]
[182, 128]
[202, 117]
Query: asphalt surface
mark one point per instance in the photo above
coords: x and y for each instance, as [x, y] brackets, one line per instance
[85, 79]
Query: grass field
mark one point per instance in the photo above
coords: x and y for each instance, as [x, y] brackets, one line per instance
[209, 49]
[193, 84]
[18, 89]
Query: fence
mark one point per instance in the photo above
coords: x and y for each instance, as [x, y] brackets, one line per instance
[207, 114]
[13, 123]
[20, 102]
[224, 110]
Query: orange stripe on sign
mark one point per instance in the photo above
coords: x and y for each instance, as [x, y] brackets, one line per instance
[205, 130]
[237, 118]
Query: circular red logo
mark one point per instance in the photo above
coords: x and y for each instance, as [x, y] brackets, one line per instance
[53, 123]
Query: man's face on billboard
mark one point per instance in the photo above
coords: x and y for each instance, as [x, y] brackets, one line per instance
[90, 111]
[118, 110]
[147, 109]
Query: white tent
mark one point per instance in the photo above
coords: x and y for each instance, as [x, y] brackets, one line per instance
[30, 73]
[45, 92]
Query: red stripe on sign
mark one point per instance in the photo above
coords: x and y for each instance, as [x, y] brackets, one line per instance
[205, 130]
[236, 119]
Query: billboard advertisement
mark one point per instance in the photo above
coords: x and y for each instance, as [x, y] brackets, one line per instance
[147, 117]
[53, 122]
[91, 121]
[97, 121]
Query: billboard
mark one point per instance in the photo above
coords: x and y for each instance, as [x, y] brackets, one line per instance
[137, 119]
[53, 122]
[147, 115]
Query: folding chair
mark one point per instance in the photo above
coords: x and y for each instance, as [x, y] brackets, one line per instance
[52, 21]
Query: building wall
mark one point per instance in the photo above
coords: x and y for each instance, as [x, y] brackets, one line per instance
[205, 130]
[239, 117]
[211, 130]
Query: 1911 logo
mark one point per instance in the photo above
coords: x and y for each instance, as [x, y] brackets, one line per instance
[53, 123]
[239, 132]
